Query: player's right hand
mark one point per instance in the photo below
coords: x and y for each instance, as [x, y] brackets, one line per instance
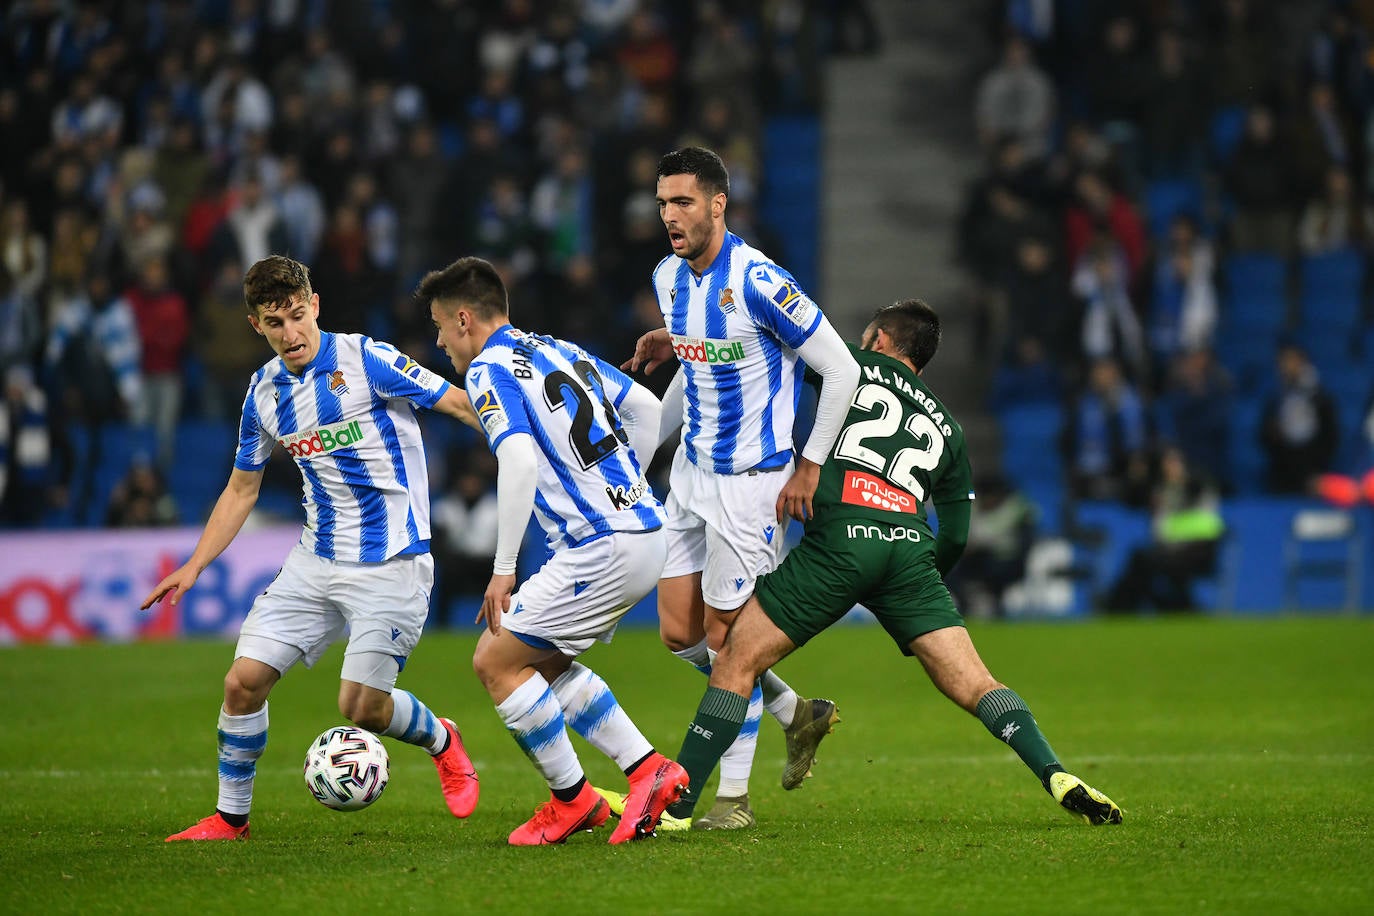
[176, 584]
[651, 351]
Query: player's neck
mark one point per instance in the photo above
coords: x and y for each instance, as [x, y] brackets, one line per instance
[708, 257]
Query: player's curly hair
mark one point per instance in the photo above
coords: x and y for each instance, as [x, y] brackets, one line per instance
[913, 327]
[275, 282]
[471, 282]
[706, 166]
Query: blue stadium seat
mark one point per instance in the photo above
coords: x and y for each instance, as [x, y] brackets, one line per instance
[204, 455]
[1330, 286]
[1248, 353]
[1225, 131]
[1030, 443]
[1247, 457]
[1167, 198]
[1255, 291]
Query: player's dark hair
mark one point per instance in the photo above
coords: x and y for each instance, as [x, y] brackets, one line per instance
[706, 166]
[913, 327]
[274, 283]
[470, 282]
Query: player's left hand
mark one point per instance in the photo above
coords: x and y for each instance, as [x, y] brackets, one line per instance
[794, 500]
[496, 601]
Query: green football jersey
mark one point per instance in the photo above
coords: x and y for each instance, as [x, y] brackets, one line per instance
[899, 447]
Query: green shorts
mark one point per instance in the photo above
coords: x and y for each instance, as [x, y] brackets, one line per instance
[888, 569]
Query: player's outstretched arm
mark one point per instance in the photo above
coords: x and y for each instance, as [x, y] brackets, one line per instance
[455, 403]
[651, 351]
[640, 413]
[517, 475]
[670, 420]
[230, 512]
[828, 356]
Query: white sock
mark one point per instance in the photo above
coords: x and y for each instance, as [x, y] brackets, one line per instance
[535, 720]
[241, 740]
[738, 759]
[698, 656]
[591, 710]
[413, 723]
[779, 699]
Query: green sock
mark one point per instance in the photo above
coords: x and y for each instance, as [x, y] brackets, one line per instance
[714, 728]
[1009, 719]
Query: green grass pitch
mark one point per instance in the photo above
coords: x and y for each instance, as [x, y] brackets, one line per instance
[1242, 753]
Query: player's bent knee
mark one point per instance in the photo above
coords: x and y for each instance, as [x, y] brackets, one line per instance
[364, 708]
[245, 691]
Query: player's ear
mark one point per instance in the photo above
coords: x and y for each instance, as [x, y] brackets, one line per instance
[253, 320]
[718, 206]
[315, 304]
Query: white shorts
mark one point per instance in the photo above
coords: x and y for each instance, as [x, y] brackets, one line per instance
[307, 607]
[579, 596]
[724, 526]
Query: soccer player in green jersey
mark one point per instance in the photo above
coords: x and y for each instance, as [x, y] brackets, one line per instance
[869, 542]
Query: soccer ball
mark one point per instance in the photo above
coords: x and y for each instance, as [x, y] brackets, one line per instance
[346, 768]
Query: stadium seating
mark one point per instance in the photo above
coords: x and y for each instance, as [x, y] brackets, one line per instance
[1225, 131]
[1169, 197]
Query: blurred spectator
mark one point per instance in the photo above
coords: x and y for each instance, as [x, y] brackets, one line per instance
[1335, 219]
[1240, 54]
[561, 208]
[502, 230]
[1118, 77]
[21, 328]
[1109, 327]
[1259, 178]
[1183, 304]
[227, 349]
[179, 169]
[1194, 414]
[1320, 138]
[23, 251]
[344, 275]
[380, 222]
[1107, 438]
[252, 227]
[464, 520]
[1298, 429]
[1038, 301]
[1174, 114]
[1026, 376]
[1186, 533]
[498, 103]
[302, 212]
[93, 351]
[415, 182]
[1016, 99]
[1000, 535]
[647, 53]
[140, 499]
[33, 461]
[164, 327]
[1097, 208]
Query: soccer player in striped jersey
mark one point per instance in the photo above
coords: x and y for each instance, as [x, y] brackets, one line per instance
[343, 406]
[739, 325]
[567, 430]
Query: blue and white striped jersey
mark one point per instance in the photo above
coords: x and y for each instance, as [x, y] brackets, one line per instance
[590, 482]
[735, 330]
[349, 423]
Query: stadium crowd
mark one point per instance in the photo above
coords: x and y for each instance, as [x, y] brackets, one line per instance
[154, 150]
[1169, 245]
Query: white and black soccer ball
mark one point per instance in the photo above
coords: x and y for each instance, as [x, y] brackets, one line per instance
[346, 768]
